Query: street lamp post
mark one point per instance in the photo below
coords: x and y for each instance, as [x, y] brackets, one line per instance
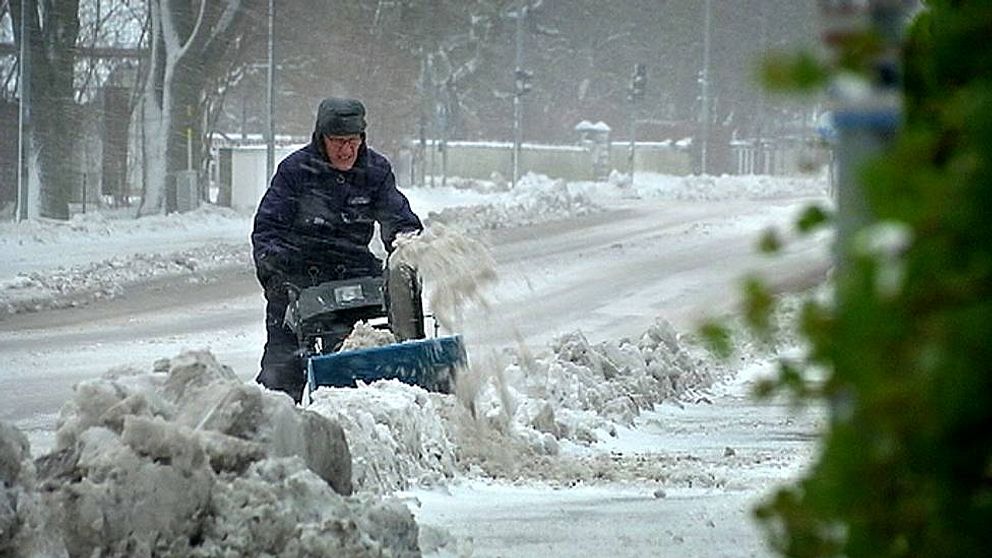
[23, 119]
[636, 93]
[705, 84]
[270, 143]
[521, 86]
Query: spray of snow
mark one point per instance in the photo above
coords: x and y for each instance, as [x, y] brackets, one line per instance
[456, 269]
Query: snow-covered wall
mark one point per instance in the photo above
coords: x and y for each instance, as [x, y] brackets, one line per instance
[480, 160]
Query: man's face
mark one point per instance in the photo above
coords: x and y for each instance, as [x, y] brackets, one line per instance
[342, 150]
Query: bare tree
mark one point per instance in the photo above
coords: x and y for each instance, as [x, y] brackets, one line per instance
[110, 32]
[189, 41]
[51, 31]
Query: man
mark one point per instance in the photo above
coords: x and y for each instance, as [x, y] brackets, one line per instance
[315, 222]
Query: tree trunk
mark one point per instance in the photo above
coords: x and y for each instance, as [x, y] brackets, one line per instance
[187, 39]
[52, 35]
[173, 138]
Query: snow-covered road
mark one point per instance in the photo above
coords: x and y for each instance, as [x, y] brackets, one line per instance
[609, 274]
[612, 273]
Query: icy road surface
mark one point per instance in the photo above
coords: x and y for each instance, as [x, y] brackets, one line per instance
[608, 274]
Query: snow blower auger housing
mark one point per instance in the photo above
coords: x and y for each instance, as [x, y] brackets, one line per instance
[323, 315]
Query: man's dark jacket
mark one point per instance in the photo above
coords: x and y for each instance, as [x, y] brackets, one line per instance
[314, 222]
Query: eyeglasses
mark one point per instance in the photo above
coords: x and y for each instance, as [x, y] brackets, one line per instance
[338, 143]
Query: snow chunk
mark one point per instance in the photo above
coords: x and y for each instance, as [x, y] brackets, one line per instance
[363, 336]
[281, 508]
[25, 522]
[395, 432]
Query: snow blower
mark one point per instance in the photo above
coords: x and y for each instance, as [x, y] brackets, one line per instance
[323, 315]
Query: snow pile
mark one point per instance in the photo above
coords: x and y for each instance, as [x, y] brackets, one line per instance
[98, 255]
[121, 227]
[395, 432]
[78, 285]
[510, 419]
[705, 187]
[25, 523]
[580, 391]
[536, 199]
[189, 461]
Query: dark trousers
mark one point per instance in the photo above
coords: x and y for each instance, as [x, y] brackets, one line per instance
[282, 367]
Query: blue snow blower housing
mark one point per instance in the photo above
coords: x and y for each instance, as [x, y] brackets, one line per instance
[323, 315]
[428, 363]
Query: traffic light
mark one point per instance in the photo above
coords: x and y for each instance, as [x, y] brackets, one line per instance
[637, 82]
[522, 79]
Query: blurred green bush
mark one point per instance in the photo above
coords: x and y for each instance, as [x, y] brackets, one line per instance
[906, 462]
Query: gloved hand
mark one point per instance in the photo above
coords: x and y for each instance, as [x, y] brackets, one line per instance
[291, 290]
[403, 250]
[271, 271]
[404, 238]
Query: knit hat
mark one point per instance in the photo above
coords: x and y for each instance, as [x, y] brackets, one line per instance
[340, 117]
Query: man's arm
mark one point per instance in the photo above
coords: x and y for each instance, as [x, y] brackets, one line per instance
[271, 247]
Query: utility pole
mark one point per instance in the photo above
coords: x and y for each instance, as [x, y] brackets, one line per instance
[705, 83]
[520, 80]
[636, 93]
[270, 147]
[425, 107]
[23, 120]
[758, 153]
[443, 114]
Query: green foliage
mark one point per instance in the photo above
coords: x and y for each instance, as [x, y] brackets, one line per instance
[717, 338]
[770, 242]
[758, 305]
[906, 464]
[813, 218]
[793, 72]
